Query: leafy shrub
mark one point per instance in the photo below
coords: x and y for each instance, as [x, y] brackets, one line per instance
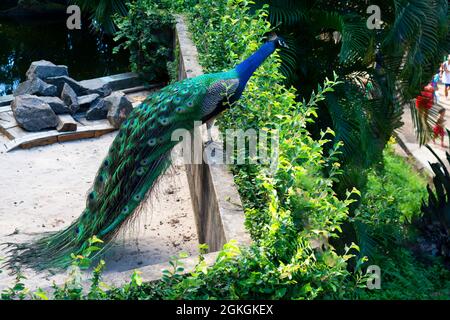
[403, 277]
[389, 205]
[292, 212]
[434, 224]
[393, 195]
[147, 31]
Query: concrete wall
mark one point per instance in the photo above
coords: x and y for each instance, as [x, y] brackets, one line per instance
[215, 199]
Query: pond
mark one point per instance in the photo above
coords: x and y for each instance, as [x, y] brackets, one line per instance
[87, 54]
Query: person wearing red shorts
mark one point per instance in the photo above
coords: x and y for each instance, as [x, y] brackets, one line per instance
[424, 103]
[438, 129]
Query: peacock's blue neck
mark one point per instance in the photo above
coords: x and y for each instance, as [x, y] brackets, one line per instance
[246, 69]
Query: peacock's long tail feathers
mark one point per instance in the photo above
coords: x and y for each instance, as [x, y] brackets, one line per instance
[137, 158]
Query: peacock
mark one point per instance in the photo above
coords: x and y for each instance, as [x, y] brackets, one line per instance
[138, 157]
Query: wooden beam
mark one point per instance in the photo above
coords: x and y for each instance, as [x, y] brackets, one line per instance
[66, 123]
[7, 120]
[30, 140]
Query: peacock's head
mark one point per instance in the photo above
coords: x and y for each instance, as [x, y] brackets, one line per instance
[279, 41]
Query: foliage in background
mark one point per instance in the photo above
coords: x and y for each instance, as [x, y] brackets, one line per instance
[293, 212]
[381, 69]
[404, 277]
[389, 206]
[147, 32]
[102, 12]
[393, 193]
[434, 224]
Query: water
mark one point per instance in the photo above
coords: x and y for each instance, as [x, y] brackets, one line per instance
[87, 55]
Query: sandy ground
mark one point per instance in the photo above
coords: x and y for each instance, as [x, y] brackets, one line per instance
[43, 189]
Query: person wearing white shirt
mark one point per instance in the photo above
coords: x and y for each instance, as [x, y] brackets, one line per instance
[446, 76]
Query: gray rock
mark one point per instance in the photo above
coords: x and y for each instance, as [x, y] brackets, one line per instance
[33, 114]
[35, 87]
[85, 102]
[98, 111]
[100, 88]
[57, 105]
[45, 69]
[119, 107]
[70, 98]
[103, 91]
[59, 82]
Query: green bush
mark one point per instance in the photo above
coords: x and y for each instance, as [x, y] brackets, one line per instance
[391, 201]
[293, 211]
[392, 198]
[147, 32]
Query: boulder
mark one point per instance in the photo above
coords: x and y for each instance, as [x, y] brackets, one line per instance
[98, 111]
[35, 87]
[33, 114]
[86, 102]
[59, 82]
[45, 69]
[97, 86]
[70, 98]
[119, 107]
[103, 90]
[57, 105]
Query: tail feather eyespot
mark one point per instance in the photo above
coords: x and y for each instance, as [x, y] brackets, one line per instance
[164, 121]
[140, 171]
[152, 142]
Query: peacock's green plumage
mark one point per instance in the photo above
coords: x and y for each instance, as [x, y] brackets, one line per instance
[137, 158]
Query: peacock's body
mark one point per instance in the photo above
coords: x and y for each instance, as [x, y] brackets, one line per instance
[138, 157]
